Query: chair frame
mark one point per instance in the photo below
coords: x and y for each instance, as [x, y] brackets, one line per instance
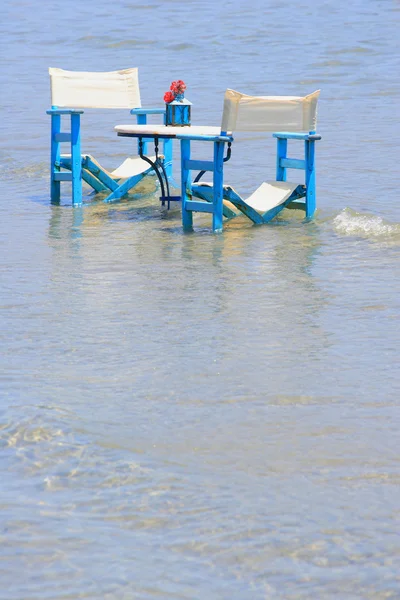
[303, 197]
[77, 167]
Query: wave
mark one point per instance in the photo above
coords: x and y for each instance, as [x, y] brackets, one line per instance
[350, 222]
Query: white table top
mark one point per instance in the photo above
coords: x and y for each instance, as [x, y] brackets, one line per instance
[164, 131]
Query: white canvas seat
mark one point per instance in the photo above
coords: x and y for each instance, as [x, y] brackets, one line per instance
[128, 168]
[268, 195]
[131, 166]
[73, 91]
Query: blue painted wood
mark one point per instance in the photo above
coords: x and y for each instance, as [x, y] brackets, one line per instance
[292, 163]
[205, 192]
[308, 165]
[205, 207]
[142, 120]
[218, 183]
[269, 215]
[148, 111]
[124, 188]
[297, 205]
[63, 111]
[98, 172]
[62, 137]
[62, 176]
[273, 212]
[241, 205]
[81, 167]
[54, 158]
[233, 197]
[281, 152]
[288, 135]
[182, 134]
[76, 159]
[168, 155]
[200, 165]
[187, 215]
[311, 201]
[93, 181]
[168, 149]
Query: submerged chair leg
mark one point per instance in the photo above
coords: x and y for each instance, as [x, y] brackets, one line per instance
[55, 159]
[167, 148]
[311, 201]
[76, 159]
[308, 165]
[218, 183]
[187, 215]
[124, 188]
[58, 162]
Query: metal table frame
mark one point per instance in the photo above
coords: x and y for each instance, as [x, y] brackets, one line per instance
[186, 135]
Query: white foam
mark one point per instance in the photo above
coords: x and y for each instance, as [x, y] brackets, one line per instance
[349, 222]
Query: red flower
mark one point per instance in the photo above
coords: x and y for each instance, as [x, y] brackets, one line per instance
[178, 86]
[181, 85]
[169, 97]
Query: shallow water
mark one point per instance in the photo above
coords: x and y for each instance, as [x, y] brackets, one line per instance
[202, 416]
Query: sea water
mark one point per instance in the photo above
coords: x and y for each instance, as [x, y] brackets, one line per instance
[202, 416]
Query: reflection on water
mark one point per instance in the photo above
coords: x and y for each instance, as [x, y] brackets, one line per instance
[197, 415]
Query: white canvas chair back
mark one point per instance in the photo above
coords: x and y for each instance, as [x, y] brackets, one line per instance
[269, 113]
[81, 89]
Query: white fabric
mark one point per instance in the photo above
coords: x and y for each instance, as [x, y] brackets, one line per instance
[132, 166]
[81, 89]
[168, 130]
[270, 194]
[269, 113]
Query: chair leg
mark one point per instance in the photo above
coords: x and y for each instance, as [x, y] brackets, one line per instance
[310, 178]
[218, 183]
[168, 158]
[76, 159]
[99, 173]
[124, 188]
[281, 152]
[54, 159]
[142, 120]
[187, 215]
[91, 180]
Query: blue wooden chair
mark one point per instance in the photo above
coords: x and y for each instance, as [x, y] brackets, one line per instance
[296, 116]
[71, 92]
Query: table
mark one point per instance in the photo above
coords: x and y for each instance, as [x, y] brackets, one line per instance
[186, 135]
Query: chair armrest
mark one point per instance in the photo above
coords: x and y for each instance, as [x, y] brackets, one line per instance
[288, 135]
[203, 138]
[148, 111]
[64, 111]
